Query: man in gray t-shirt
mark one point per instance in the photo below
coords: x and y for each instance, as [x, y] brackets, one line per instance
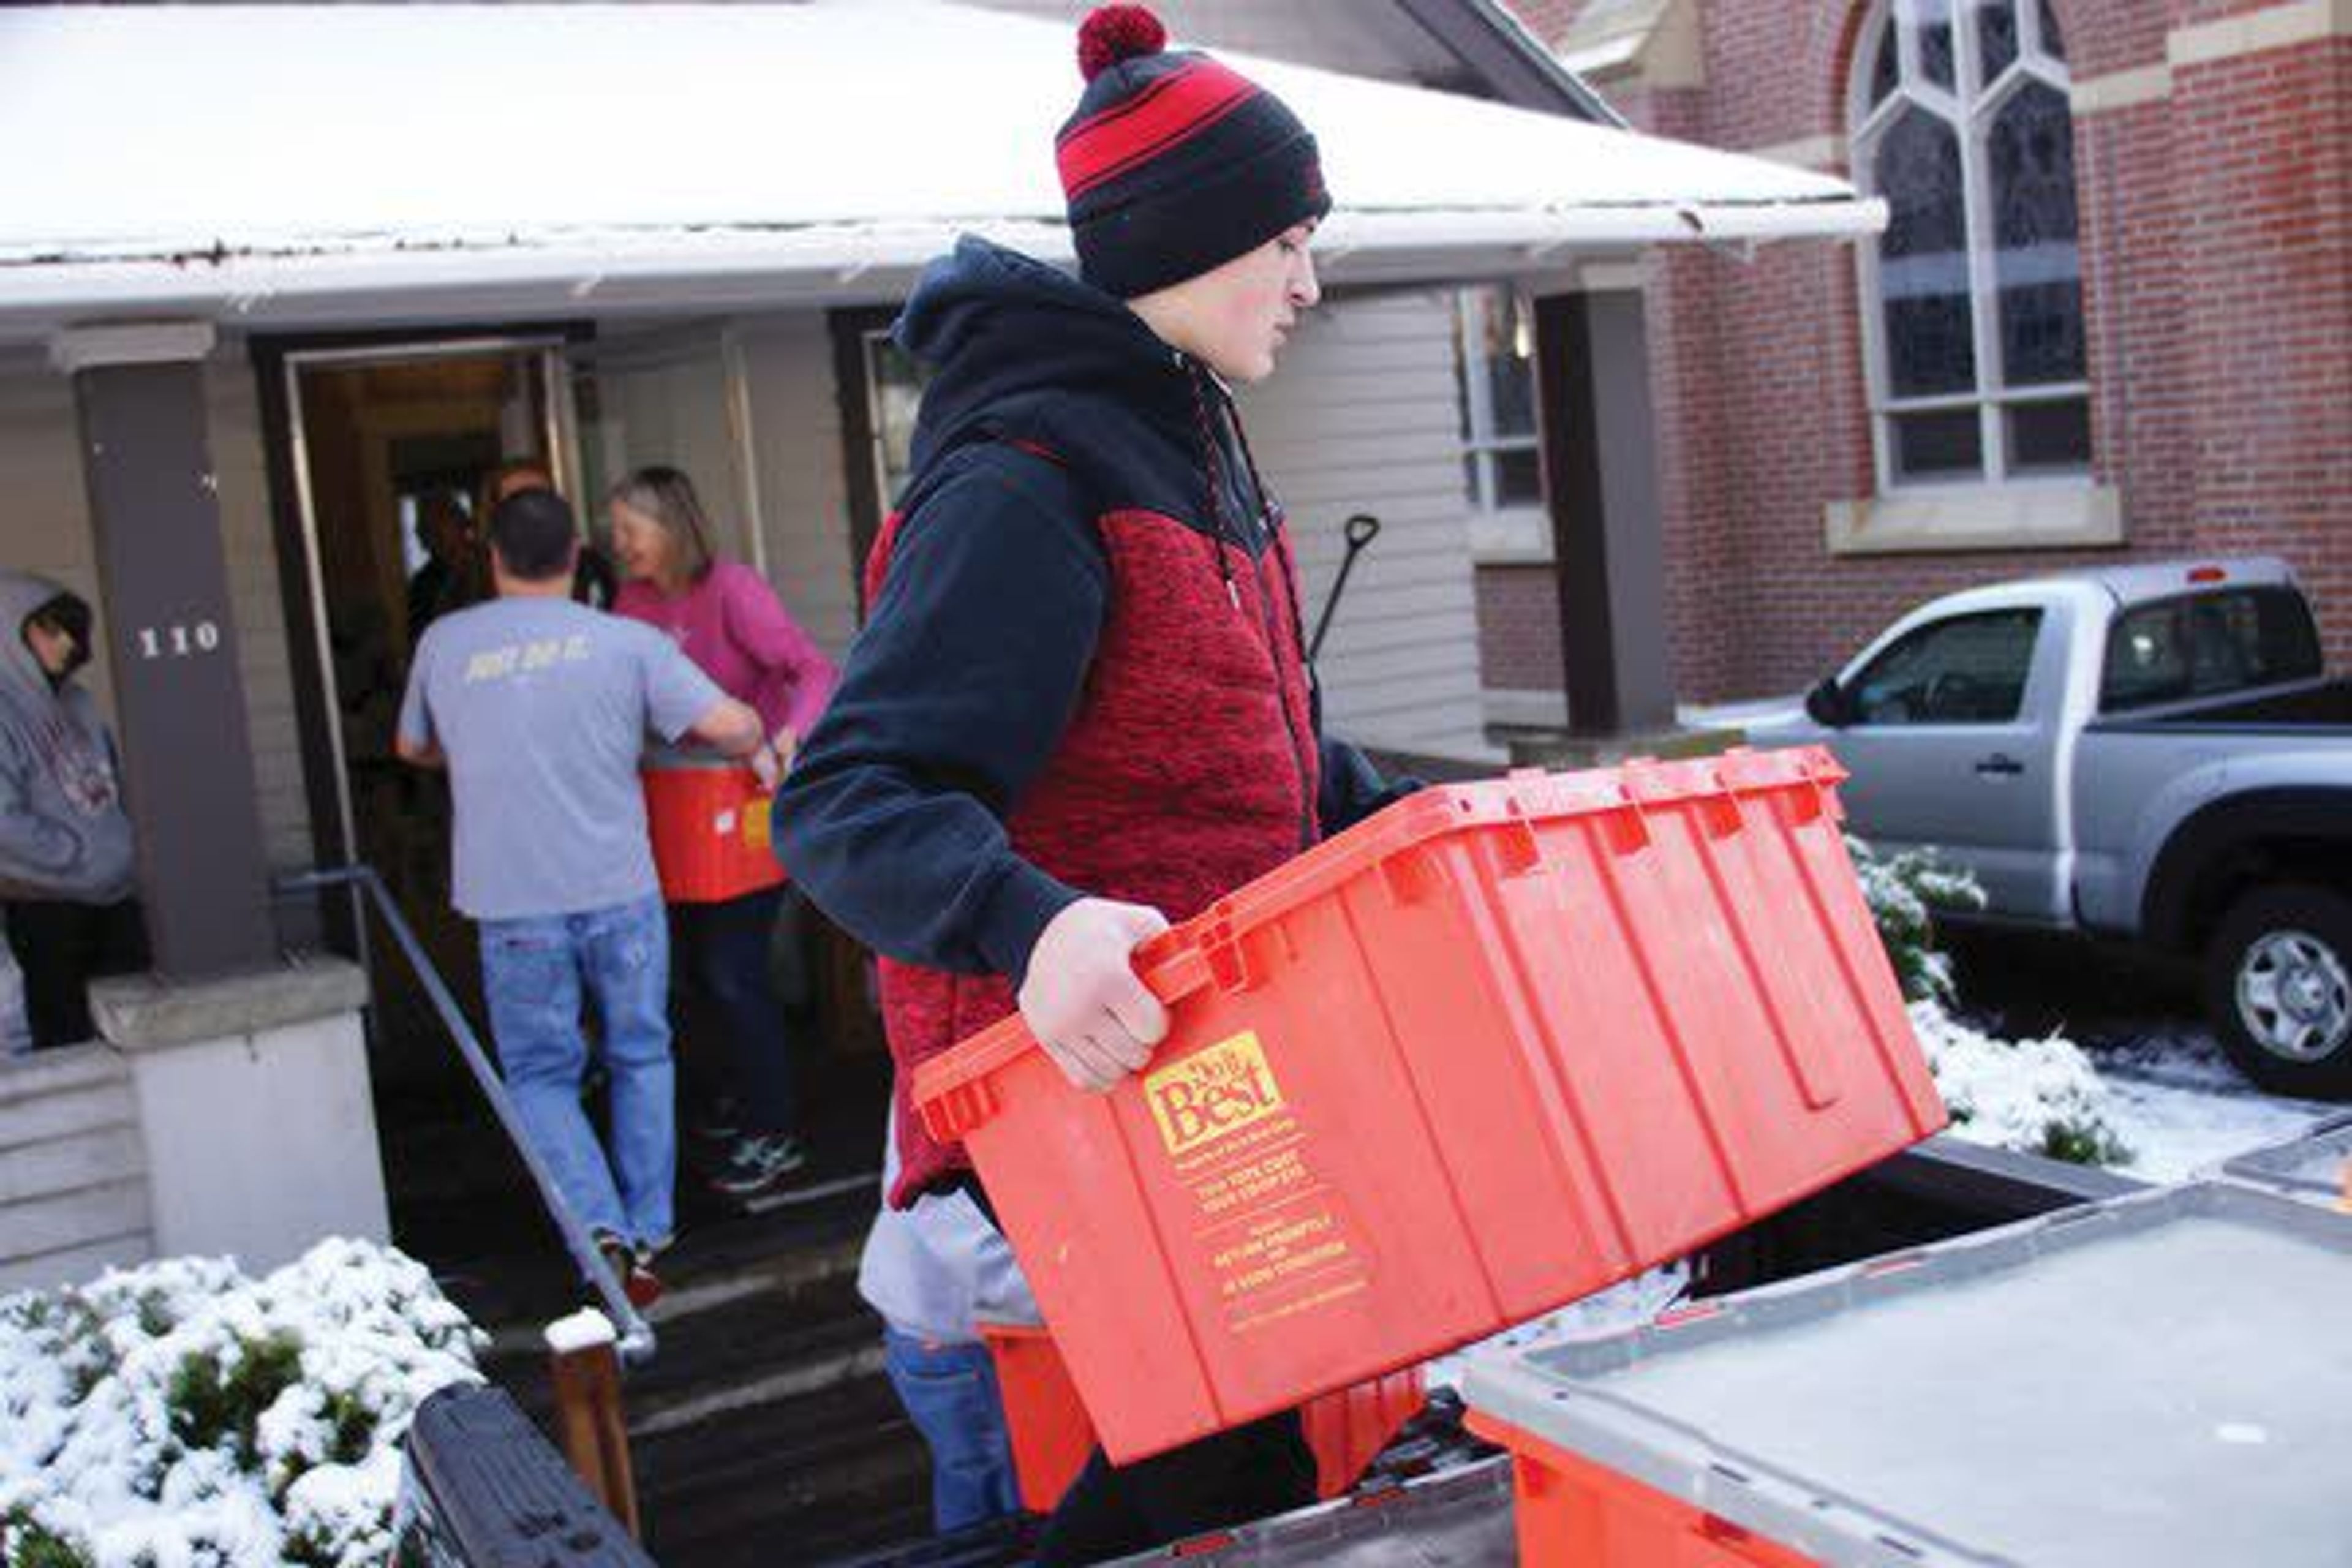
[540, 708]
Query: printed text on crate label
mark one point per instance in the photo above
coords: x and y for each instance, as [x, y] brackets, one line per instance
[1277, 1241]
[1212, 1092]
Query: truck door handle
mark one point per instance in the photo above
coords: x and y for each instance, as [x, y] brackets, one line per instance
[1999, 764]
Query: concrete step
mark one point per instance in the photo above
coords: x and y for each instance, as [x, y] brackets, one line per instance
[837, 1472]
[763, 1430]
[74, 1265]
[57, 1094]
[73, 1172]
[62, 1220]
[45, 1073]
[765, 1333]
[111, 1153]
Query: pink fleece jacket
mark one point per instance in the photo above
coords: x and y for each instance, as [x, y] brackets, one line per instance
[732, 624]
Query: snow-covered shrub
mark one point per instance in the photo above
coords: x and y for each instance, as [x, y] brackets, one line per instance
[1903, 891]
[2038, 1096]
[181, 1415]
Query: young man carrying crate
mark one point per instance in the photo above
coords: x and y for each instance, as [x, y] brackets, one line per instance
[1081, 705]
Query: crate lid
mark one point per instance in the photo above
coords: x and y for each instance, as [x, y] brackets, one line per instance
[2310, 1167]
[1182, 959]
[660, 757]
[1454, 1518]
[2162, 1379]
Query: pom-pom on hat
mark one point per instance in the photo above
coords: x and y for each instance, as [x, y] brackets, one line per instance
[1174, 165]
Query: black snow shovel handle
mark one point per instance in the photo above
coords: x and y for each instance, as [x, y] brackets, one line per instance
[1360, 531]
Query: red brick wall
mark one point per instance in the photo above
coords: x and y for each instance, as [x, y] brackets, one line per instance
[1519, 628]
[1548, 19]
[2217, 260]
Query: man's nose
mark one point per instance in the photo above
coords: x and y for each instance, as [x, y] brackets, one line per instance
[1304, 290]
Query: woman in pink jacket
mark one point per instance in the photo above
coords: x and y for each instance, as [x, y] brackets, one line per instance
[724, 616]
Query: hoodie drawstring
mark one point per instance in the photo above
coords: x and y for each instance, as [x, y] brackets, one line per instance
[1220, 529]
[1290, 577]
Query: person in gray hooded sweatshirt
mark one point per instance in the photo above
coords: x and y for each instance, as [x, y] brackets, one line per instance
[65, 869]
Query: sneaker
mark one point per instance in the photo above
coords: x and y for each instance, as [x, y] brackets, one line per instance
[632, 1268]
[758, 1166]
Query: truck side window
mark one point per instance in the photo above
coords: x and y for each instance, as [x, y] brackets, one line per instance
[2201, 644]
[1969, 669]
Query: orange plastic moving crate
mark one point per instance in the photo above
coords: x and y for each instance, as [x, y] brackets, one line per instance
[1570, 1512]
[1494, 1049]
[2079, 1389]
[1052, 1435]
[710, 829]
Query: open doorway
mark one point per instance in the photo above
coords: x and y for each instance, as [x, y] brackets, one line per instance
[392, 447]
[387, 449]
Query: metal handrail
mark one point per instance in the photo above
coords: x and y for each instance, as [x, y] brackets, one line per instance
[637, 1344]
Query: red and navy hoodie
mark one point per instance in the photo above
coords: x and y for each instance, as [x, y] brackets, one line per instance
[1082, 670]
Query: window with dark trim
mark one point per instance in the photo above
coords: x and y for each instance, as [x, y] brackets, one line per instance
[1973, 314]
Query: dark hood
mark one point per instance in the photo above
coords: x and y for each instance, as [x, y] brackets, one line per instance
[1021, 349]
[66, 836]
[1022, 353]
[23, 595]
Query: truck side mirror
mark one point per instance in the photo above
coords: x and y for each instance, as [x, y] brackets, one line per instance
[1829, 704]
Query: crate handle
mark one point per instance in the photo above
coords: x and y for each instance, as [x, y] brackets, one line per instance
[1410, 876]
[1720, 815]
[1517, 851]
[1624, 829]
[953, 1100]
[1230, 966]
[1171, 965]
[950, 1116]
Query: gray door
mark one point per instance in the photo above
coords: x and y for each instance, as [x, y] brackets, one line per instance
[1946, 752]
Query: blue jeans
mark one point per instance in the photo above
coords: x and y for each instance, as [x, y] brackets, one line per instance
[949, 1391]
[535, 974]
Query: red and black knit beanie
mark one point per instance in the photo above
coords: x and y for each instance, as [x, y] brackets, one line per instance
[1175, 164]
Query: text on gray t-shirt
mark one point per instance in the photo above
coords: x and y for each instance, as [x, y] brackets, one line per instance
[542, 708]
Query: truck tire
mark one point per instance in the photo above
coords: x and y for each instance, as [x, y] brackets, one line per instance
[2278, 987]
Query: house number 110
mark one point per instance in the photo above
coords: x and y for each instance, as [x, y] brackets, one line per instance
[178, 641]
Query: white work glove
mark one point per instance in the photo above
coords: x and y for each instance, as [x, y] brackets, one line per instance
[1082, 999]
[773, 759]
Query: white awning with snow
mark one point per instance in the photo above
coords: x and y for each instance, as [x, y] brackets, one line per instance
[313, 165]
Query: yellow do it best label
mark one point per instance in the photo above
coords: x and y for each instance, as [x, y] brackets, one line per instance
[1212, 1092]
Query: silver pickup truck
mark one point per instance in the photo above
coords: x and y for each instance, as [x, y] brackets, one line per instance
[2149, 753]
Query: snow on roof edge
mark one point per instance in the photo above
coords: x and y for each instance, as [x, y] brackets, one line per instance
[869, 243]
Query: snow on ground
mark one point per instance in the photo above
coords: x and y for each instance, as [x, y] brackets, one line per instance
[2036, 1096]
[2163, 1085]
[2161, 1088]
[2174, 1098]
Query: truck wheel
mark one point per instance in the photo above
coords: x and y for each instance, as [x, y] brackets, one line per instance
[2278, 987]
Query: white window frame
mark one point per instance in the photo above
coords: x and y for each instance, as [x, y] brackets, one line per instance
[1501, 532]
[877, 440]
[1969, 108]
